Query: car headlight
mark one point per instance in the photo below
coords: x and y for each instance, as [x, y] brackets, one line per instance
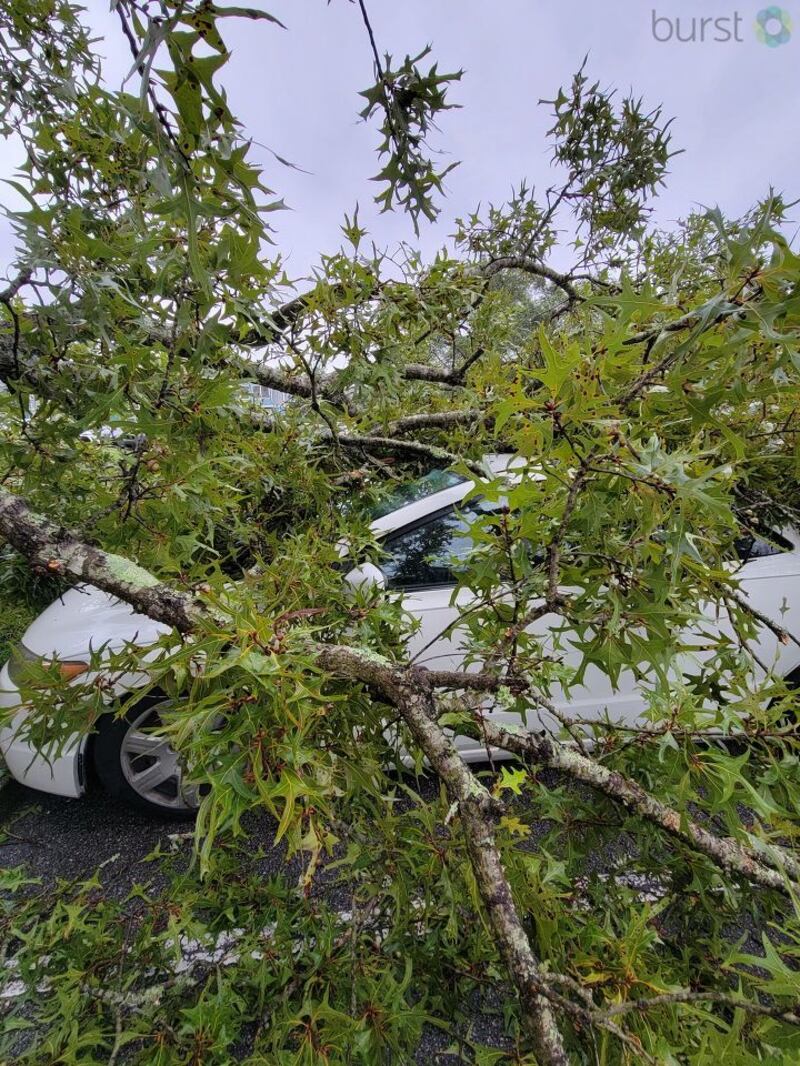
[22, 658]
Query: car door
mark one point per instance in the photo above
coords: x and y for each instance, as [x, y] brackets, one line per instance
[768, 572]
[419, 562]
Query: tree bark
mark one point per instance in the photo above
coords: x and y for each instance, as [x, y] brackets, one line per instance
[725, 852]
[56, 550]
[409, 691]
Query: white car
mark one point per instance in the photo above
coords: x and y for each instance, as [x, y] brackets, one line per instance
[421, 530]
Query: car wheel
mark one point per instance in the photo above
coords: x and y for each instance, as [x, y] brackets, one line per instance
[138, 766]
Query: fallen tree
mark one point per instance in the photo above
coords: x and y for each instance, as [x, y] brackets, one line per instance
[647, 410]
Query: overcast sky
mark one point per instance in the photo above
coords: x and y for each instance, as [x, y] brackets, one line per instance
[735, 103]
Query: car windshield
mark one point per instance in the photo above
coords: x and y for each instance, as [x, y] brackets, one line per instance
[412, 491]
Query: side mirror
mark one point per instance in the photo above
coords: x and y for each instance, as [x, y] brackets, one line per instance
[366, 575]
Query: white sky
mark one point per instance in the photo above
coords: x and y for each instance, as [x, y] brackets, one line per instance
[735, 104]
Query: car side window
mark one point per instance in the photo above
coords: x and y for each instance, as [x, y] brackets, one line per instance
[756, 545]
[427, 554]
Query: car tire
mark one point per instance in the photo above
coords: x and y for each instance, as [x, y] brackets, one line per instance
[140, 769]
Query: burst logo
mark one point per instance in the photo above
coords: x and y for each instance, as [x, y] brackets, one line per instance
[773, 26]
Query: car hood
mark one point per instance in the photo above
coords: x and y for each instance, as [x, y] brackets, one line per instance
[85, 619]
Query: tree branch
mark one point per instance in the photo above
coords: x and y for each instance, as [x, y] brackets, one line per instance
[411, 693]
[725, 852]
[58, 551]
[651, 336]
[428, 420]
[393, 446]
[13, 287]
[685, 995]
[533, 267]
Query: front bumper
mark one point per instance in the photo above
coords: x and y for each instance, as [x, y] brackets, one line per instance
[61, 776]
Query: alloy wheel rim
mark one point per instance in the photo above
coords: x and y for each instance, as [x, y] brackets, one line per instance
[153, 768]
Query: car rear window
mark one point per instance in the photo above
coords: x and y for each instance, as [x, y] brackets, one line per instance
[758, 543]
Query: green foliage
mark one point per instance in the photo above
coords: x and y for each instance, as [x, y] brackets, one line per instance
[614, 159]
[410, 100]
[16, 618]
[652, 389]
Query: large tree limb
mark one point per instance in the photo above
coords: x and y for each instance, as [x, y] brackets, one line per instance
[60, 552]
[411, 693]
[46, 544]
[725, 852]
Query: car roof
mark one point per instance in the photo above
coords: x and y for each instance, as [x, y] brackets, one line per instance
[497, 464]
